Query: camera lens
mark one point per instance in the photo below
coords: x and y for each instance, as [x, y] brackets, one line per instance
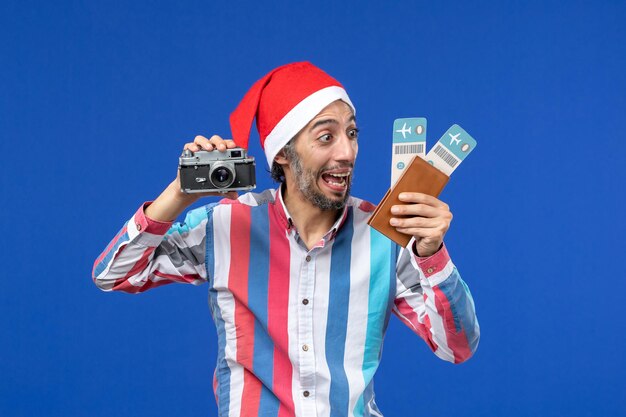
[222, 176]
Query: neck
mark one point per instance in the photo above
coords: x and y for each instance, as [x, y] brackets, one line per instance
[311, 222]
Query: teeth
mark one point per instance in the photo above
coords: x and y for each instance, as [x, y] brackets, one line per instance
[340, 175]
[342, 183]
[341, 178]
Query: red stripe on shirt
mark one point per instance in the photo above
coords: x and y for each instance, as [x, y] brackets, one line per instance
[126, 286]
[457, 341]
[122, 284]
[367, 207]
[277, 317]
[411, 316]
[244, 319]
[217, 399]
[185, 279]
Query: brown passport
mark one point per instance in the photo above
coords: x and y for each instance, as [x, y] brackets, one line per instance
[418, 177]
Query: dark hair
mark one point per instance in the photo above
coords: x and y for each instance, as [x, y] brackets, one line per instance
[289, 151]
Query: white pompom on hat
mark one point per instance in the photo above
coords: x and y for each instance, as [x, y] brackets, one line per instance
[284, 101]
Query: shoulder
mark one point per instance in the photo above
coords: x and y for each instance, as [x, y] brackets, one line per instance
[360, 205]
[228, 212]
[243, 202]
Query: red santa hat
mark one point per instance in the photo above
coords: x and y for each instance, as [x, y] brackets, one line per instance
[284, 101]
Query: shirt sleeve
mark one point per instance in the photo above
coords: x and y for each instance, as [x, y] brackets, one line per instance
[147, 253]
[432, 300]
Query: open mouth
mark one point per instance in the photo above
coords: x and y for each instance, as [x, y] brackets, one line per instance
[336, 180]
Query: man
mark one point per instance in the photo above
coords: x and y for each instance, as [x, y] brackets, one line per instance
[300, 287]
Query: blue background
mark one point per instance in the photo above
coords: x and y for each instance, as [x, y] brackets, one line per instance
[97, 99]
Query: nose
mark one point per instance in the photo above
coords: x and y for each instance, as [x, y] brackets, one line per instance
[346, 149]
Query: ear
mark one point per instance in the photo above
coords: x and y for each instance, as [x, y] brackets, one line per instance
[280, 158]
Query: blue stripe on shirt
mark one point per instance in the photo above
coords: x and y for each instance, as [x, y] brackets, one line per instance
[461, 304]
[377, 309]
[222, 369]
[337, 322]
[393, 260]
[258, 274]
[105, 262]
[192, 220]
[368, 395]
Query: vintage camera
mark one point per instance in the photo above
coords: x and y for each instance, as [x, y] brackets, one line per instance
[205, 171]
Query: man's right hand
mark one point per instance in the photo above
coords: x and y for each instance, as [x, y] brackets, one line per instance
[172, 201]
[201, 143]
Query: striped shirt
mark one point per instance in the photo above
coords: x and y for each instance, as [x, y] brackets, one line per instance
[300, 332]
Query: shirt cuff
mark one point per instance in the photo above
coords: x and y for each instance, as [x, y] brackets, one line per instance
[434, 263]
[434, 268]
[144, 223]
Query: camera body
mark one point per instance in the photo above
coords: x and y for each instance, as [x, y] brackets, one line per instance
[205, 171]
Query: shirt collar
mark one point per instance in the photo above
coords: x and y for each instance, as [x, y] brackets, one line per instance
[286, 219]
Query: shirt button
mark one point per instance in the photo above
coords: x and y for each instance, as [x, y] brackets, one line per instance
[308, 258]
[305, 301]
[305, 348]
[305, 393]
[138, 227]
[430, 270]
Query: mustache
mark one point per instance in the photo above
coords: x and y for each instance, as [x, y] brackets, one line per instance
[338, 166]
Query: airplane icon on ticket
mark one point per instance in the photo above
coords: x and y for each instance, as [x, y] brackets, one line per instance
[404, 130]
[454, 138]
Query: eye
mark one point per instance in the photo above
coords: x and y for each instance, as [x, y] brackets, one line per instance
[325, 138]
[353, 133]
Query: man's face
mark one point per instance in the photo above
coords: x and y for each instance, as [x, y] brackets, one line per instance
[321, 168]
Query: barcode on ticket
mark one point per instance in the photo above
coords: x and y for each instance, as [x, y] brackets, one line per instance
[408, 149]
[446, 156]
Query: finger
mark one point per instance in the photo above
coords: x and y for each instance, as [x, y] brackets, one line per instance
[419, 232]
[218, 143]
[192, 147]
[203, 142]
[421, 198]
[422, 222]
[415, 231]
[417, 210]
[230, 143]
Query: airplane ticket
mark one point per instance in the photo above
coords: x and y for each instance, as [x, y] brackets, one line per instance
[409, 139]
[451, 149]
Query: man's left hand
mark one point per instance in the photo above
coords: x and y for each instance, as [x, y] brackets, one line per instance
[424, 217]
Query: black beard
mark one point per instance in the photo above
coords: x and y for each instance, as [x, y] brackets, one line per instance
[306, 180]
